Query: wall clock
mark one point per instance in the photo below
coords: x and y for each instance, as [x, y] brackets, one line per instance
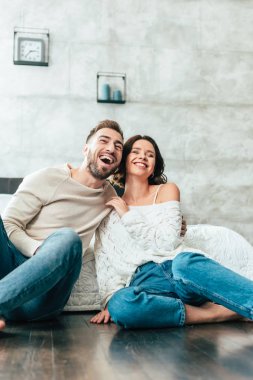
[31, 46]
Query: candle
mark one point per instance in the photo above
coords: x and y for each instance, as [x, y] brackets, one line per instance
[117, 96]
[105, 92]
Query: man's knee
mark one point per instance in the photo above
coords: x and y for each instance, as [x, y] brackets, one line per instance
[65, 242]
[68, 234]
[72, 242]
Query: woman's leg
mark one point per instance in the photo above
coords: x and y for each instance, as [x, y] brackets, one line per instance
[143, 310]
[131, 309]
[151, 302]
[209, 313]
[197, 277]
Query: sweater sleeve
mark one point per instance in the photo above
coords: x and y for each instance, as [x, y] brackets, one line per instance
[109, 281]
[25, 204]
[162, 235]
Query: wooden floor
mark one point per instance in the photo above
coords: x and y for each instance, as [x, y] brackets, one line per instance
[72, 348]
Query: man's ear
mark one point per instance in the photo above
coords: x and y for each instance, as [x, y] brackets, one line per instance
[85, 149]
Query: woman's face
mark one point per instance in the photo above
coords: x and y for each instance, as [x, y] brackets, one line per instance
[141, 160]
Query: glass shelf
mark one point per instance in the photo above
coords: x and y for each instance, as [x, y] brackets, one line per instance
[111, 88]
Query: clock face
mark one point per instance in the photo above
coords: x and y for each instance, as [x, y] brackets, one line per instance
[31, 46]
[31, 49]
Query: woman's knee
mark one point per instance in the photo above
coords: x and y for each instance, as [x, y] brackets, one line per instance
[122, 308]
[184, 262]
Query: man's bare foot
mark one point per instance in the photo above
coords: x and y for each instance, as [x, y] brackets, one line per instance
[210, 313]
[2, 324]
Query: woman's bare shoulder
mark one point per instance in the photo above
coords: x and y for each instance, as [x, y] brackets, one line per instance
[168, 192]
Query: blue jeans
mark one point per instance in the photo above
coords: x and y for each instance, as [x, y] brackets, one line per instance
[38, 287]
[157, 292]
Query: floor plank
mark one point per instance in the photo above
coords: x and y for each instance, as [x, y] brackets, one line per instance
[72, 348]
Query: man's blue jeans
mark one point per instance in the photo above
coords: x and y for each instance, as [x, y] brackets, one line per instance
[157, 292]
[38, 287]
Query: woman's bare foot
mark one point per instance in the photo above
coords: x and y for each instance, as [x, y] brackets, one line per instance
[209, 313]
[2, 324]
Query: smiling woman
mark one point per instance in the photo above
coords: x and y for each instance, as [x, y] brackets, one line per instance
[132, 146]
[148, 277]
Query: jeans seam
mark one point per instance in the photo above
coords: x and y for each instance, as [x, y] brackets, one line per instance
[183, 314]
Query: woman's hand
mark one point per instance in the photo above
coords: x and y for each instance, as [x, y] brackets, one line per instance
[119, 205]
[102, 317]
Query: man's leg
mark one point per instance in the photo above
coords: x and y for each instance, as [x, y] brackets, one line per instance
[54, 268]
[199, 278]
[10, 256]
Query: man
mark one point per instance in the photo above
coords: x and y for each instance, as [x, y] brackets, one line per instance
[50, 222]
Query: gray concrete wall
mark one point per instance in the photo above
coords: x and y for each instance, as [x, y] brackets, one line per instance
[189, 66]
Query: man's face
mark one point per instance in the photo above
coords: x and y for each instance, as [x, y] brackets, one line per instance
[104, 153]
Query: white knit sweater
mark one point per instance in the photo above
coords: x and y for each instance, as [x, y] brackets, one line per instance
[143, 234]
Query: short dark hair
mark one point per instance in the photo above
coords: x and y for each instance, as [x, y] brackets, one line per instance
[105, 124]
[157, 178]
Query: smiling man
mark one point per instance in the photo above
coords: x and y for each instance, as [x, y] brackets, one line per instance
[48, 226]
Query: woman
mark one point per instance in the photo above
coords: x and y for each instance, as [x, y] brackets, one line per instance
[147, 277]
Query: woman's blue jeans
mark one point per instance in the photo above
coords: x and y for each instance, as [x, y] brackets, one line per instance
[38, 287]
[157, 292]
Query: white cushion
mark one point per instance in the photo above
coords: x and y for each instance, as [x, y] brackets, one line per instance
[223, 245]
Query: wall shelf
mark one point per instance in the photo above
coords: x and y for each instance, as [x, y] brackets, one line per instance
[111, 88]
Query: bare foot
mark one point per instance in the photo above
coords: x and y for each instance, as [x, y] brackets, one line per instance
[210, 313]
[2, 324]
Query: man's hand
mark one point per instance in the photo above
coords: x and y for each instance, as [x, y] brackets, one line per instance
[119, 205]
[183, 227]
[102, 317]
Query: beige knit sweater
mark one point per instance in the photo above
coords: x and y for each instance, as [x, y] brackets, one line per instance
[50, 199]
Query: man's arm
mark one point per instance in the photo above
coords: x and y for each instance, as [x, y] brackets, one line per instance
[25, 204]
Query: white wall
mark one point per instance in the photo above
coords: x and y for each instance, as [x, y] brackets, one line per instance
[189, 66]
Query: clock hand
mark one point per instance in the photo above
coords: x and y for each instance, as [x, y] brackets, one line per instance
[30, 51]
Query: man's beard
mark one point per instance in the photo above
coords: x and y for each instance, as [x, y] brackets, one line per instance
[100, 174]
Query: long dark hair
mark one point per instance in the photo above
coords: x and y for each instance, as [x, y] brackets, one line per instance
[157, 178]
